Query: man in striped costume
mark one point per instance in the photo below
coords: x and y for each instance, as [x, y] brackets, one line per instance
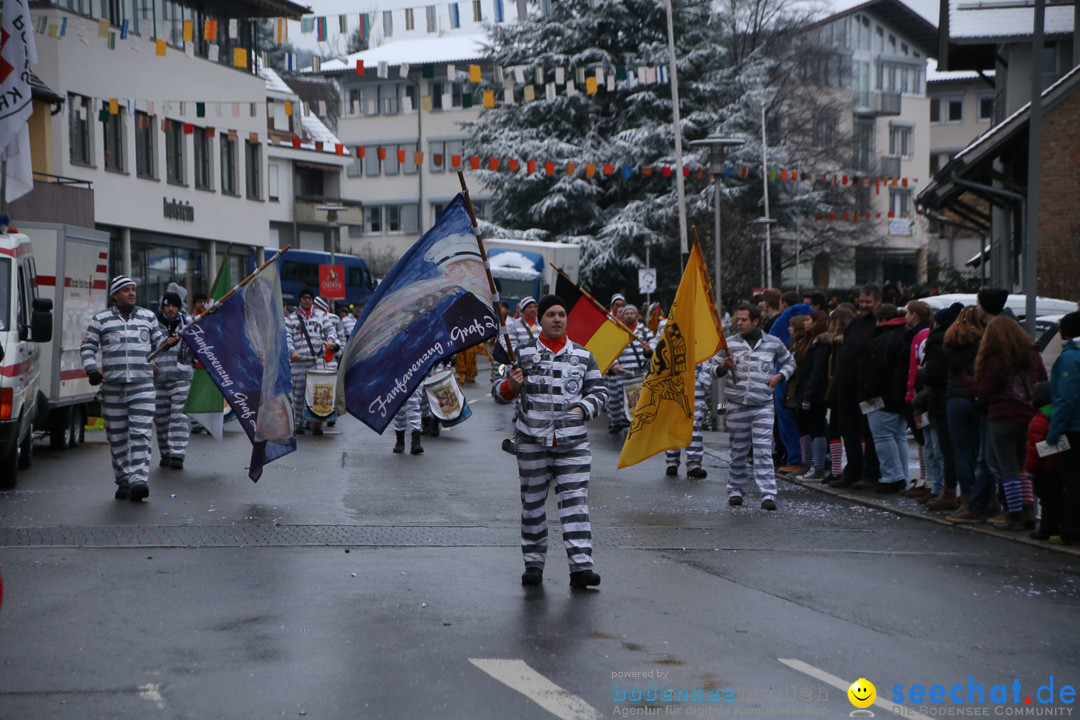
[172, 380]
[632, 362]
[750, 375]
[125, 335]
[308, 333]
[695, 451]
[524, 328]
[560, 388]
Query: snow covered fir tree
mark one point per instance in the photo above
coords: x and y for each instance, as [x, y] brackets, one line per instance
[728, 66]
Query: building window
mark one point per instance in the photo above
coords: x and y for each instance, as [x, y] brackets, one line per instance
[145, 157]
[388, 23]
[204, 151]
[455, 15]
[174, 152]
[879, 39]
[372, 165]
[272, 177]
[410, 19]
[228, 164]
[393, 218]
[901, 140]
[432, 24]
[356, 167]
[79, 129]
[900, 202]
[499, 13]
[950, 109]
[373, 220]
[390, 165]
[388, 99]
[824, 131]
[477, 13]
[253, 164]
[112, 131]
[986, 107]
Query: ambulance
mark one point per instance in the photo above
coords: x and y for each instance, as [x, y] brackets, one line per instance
[25, 323]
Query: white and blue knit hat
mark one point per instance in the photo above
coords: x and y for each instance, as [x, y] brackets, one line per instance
[525, 301]
[118, 283]
[616, 296]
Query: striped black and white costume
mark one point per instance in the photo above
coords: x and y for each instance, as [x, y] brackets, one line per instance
[695, 451]
[319, 331]
[553, 445]
[408, 415]
[750, 411]
[172, 382]
[128, 395]
[632, 362]
[521, 334]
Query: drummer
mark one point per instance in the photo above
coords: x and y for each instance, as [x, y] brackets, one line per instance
[308, 332]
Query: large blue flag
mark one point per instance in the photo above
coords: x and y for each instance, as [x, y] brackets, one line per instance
[434, 302]
[241, 344]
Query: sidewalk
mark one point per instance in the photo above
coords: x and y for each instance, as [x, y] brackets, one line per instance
[717, 455]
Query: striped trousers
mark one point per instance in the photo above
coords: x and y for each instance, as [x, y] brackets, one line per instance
[751, 427]
[408, 415]
[173, 426]
[128, 410]
[695, 451]
[616, 401]
[568, 468]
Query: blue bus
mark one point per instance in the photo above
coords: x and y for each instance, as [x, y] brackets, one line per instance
[300, 269]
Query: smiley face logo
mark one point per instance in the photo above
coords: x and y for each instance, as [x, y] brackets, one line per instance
[862, 693]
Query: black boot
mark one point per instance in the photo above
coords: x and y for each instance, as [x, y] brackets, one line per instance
[399, 446]
[417, 448]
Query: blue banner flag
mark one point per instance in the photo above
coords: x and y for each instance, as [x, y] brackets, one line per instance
[241, 344]
[436, 301]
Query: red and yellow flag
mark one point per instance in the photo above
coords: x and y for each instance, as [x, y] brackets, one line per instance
[591, 327]
[664, 415]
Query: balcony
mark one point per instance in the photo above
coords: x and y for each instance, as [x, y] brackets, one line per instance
[889, 166]
[877, 104]
[55, 199]
[306, 210]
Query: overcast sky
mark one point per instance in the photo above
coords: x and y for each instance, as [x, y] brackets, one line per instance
[332, 8]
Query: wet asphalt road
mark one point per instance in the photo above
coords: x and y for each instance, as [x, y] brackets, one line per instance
[353, 583]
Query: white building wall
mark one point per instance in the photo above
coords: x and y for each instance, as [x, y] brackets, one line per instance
[134, 73]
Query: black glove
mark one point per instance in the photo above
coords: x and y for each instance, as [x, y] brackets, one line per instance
[95, 377]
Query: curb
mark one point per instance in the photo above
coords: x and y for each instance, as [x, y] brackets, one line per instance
[983, 529]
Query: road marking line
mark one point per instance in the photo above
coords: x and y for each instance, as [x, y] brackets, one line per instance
[519, 676]
[844, 685]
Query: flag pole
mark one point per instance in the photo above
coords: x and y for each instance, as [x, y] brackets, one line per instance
[710, 295]
[594, 301]
[213, 308]
[487, 268]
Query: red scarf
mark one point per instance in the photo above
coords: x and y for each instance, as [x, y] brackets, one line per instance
[553, 345]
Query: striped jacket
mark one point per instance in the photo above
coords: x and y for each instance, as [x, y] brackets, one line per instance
[319, 329]
[632, 360]
[521, 334]
[177, 362]
[555, 383]
[124, 345]
[748, 384]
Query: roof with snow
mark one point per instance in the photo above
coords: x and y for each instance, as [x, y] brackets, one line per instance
[941, 76]
[970, 30]
[444, 49]
[314, 130]
[512, 264]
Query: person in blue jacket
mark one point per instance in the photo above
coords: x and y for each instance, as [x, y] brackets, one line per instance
[1065, 422]
[785, 419]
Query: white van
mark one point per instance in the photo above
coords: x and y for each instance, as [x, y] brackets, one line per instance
[1015, 302]
[25, 321]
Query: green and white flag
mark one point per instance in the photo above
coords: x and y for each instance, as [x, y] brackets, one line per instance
[205, 403]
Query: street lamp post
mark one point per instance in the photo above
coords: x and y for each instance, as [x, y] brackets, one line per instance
[766, 249]
[717, 147]
[332, 210]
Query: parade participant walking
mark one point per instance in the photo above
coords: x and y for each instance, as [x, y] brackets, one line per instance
[562, 388]
[695, 451]
[125, 335]
[308, 332]
[632, 362]
[408, 418]
[524, 328]
[750, 376]
[172, 379]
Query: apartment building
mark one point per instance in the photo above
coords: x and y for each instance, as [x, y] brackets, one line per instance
[873, 58]
[165, 119]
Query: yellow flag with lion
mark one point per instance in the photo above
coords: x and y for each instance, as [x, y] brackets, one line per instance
[664, 415]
